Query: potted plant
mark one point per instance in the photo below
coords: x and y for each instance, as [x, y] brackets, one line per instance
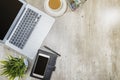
[14, 67]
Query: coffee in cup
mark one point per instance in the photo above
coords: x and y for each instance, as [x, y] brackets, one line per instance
[55, 4]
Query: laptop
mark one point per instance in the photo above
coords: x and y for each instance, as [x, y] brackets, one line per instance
[23, 27]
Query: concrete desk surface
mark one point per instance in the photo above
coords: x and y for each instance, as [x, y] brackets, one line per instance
[88, 40]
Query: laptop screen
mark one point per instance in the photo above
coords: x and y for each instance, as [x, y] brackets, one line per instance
[8, 11]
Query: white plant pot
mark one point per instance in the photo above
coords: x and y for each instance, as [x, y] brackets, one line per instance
[17, 78]
[26, 62]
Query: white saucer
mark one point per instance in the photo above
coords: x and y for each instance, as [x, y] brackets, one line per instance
[55, 13]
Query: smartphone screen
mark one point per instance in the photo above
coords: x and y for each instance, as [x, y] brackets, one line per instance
[40, 66]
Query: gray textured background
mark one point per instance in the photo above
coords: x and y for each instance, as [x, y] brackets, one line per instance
[88, 40]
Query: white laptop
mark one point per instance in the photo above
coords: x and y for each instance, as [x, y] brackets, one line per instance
[23, 27]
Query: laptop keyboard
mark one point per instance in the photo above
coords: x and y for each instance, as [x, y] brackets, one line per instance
[25, 28]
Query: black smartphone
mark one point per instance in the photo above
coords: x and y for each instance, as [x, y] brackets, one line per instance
[40, 65]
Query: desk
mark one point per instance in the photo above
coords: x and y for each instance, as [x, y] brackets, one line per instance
[88, 40]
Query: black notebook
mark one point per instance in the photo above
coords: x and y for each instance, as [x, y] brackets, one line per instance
[44, 65]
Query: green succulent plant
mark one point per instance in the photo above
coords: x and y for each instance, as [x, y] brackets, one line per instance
[13, 67]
